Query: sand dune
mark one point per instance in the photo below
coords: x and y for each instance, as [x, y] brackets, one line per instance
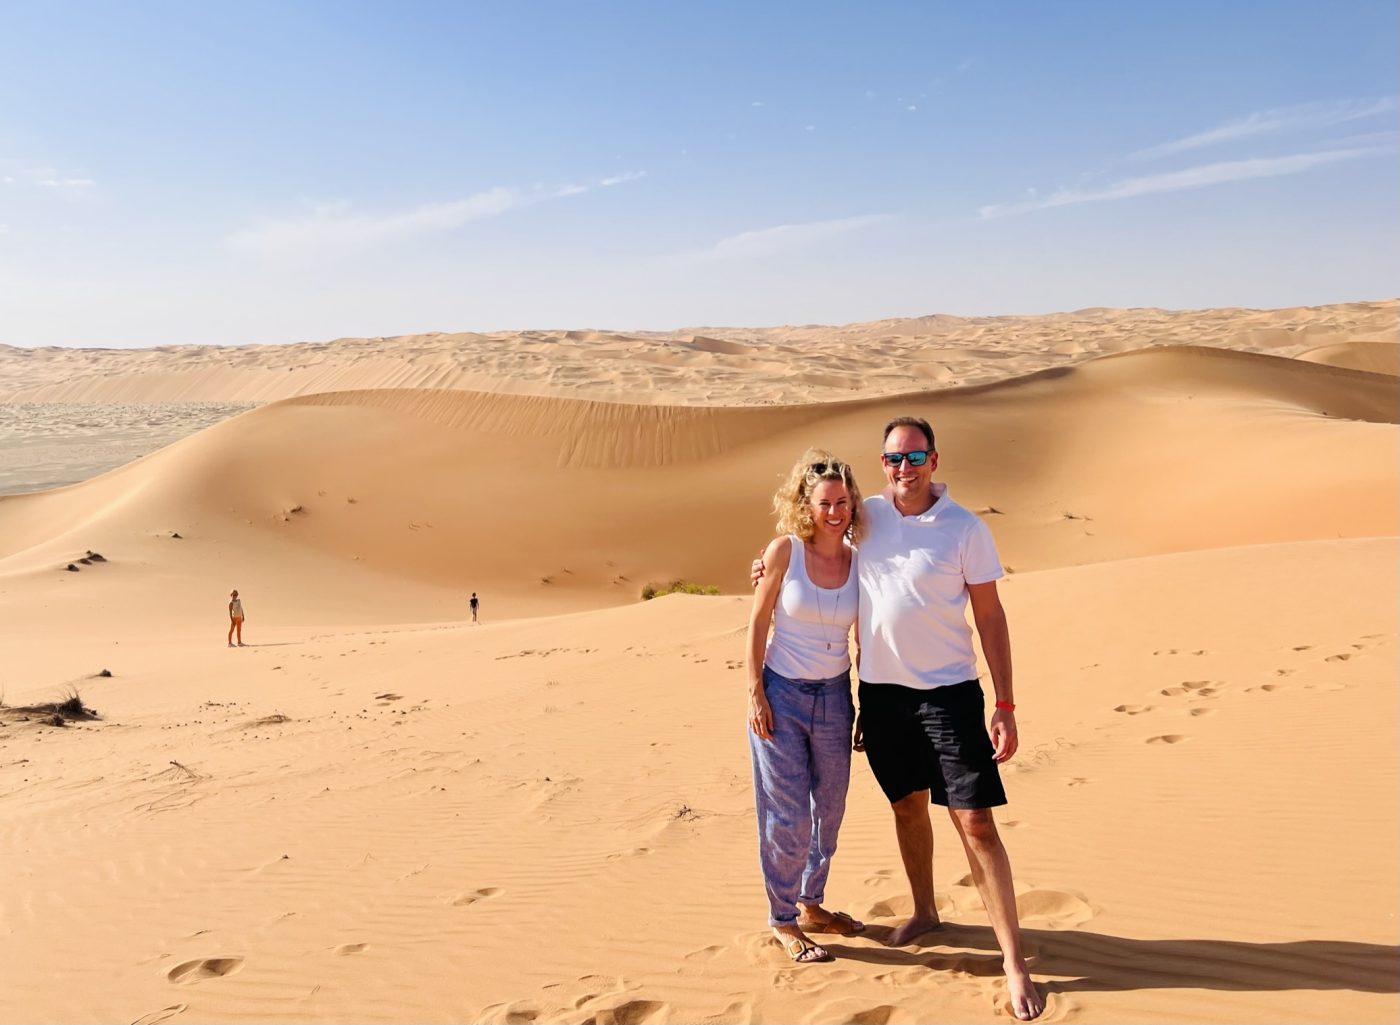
[698, 366]
[551, 504]
[1373, 357]
[380, 812]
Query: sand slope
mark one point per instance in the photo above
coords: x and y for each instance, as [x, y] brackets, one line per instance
[551, 820]
[1374, 357]
[550, 504]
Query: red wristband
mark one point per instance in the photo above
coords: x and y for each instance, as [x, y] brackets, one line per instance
[1006, 705]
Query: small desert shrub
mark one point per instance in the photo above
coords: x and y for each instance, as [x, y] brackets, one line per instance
[654, 590]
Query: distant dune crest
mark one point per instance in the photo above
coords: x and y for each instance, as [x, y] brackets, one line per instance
[698, 366]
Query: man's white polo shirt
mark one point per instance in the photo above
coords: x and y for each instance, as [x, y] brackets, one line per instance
[914, 572]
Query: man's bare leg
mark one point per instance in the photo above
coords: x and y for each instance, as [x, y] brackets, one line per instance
[991, 871]
[915, 833]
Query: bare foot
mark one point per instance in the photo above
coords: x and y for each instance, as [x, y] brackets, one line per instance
[913, 929]
[1026, 1001]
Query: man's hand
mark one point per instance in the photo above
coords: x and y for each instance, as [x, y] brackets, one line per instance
[1004, 739]
[857, 736]
[756, 571]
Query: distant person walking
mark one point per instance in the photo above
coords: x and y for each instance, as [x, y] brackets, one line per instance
[235, 618]
[474, 603]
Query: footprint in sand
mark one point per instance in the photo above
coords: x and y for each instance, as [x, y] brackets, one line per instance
[801, 978]
[164, 1014]
[853, 1011]
[1167, 738]
[351, 948]
[635, 852]
[1133, 709]
[630, 1012]
[198, 970]
[880, 876]
[705, 953]
[596, 987]
[1343, 657]
[846, 1014]
[977, 965]
[1054, 909]
[1078, 781]
[485, 893]
[910, 975]
[1202, 711]
[898, 906]
[517, 1012]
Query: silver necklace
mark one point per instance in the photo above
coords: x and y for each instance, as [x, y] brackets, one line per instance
[821, 614]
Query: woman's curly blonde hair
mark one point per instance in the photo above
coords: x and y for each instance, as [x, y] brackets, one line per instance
[793, 505]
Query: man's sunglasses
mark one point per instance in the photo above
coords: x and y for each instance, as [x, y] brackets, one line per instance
[895, 458]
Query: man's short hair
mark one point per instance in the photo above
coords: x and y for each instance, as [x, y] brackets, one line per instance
[912, 421]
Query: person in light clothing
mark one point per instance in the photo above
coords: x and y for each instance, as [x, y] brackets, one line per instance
[800, 712]
[235, 618]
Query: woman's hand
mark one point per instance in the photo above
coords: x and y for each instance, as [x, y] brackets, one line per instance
[760, 715]
[857, 736]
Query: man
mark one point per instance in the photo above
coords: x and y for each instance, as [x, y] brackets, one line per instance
[474, 604]
[921, 706]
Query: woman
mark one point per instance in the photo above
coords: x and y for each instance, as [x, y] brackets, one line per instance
[800, 709]
[235, 618]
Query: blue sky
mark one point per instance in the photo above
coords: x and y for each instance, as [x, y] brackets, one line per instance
[273, 172]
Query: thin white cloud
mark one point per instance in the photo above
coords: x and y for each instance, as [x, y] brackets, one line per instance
[766, 241]
[335, 228]
[1190, 178]
[620, 179]
[1275, 122]
[66, 183]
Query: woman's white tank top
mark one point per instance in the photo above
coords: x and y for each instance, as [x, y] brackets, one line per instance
[811, 624]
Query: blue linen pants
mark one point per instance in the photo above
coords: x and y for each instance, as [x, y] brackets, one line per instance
[799, 781]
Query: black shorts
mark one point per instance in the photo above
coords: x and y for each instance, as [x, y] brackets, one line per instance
[934, 740]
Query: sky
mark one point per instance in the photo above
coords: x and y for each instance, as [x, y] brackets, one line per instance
[251, 172]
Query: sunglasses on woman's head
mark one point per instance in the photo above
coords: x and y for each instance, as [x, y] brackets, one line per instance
[834, 467]
[895, 458]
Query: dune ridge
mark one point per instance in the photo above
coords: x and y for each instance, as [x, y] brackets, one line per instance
[707, 366]
[555, 504]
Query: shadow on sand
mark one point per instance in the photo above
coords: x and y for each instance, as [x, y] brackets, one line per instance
[1098, 963]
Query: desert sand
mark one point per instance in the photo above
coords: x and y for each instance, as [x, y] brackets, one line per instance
[379, 811]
